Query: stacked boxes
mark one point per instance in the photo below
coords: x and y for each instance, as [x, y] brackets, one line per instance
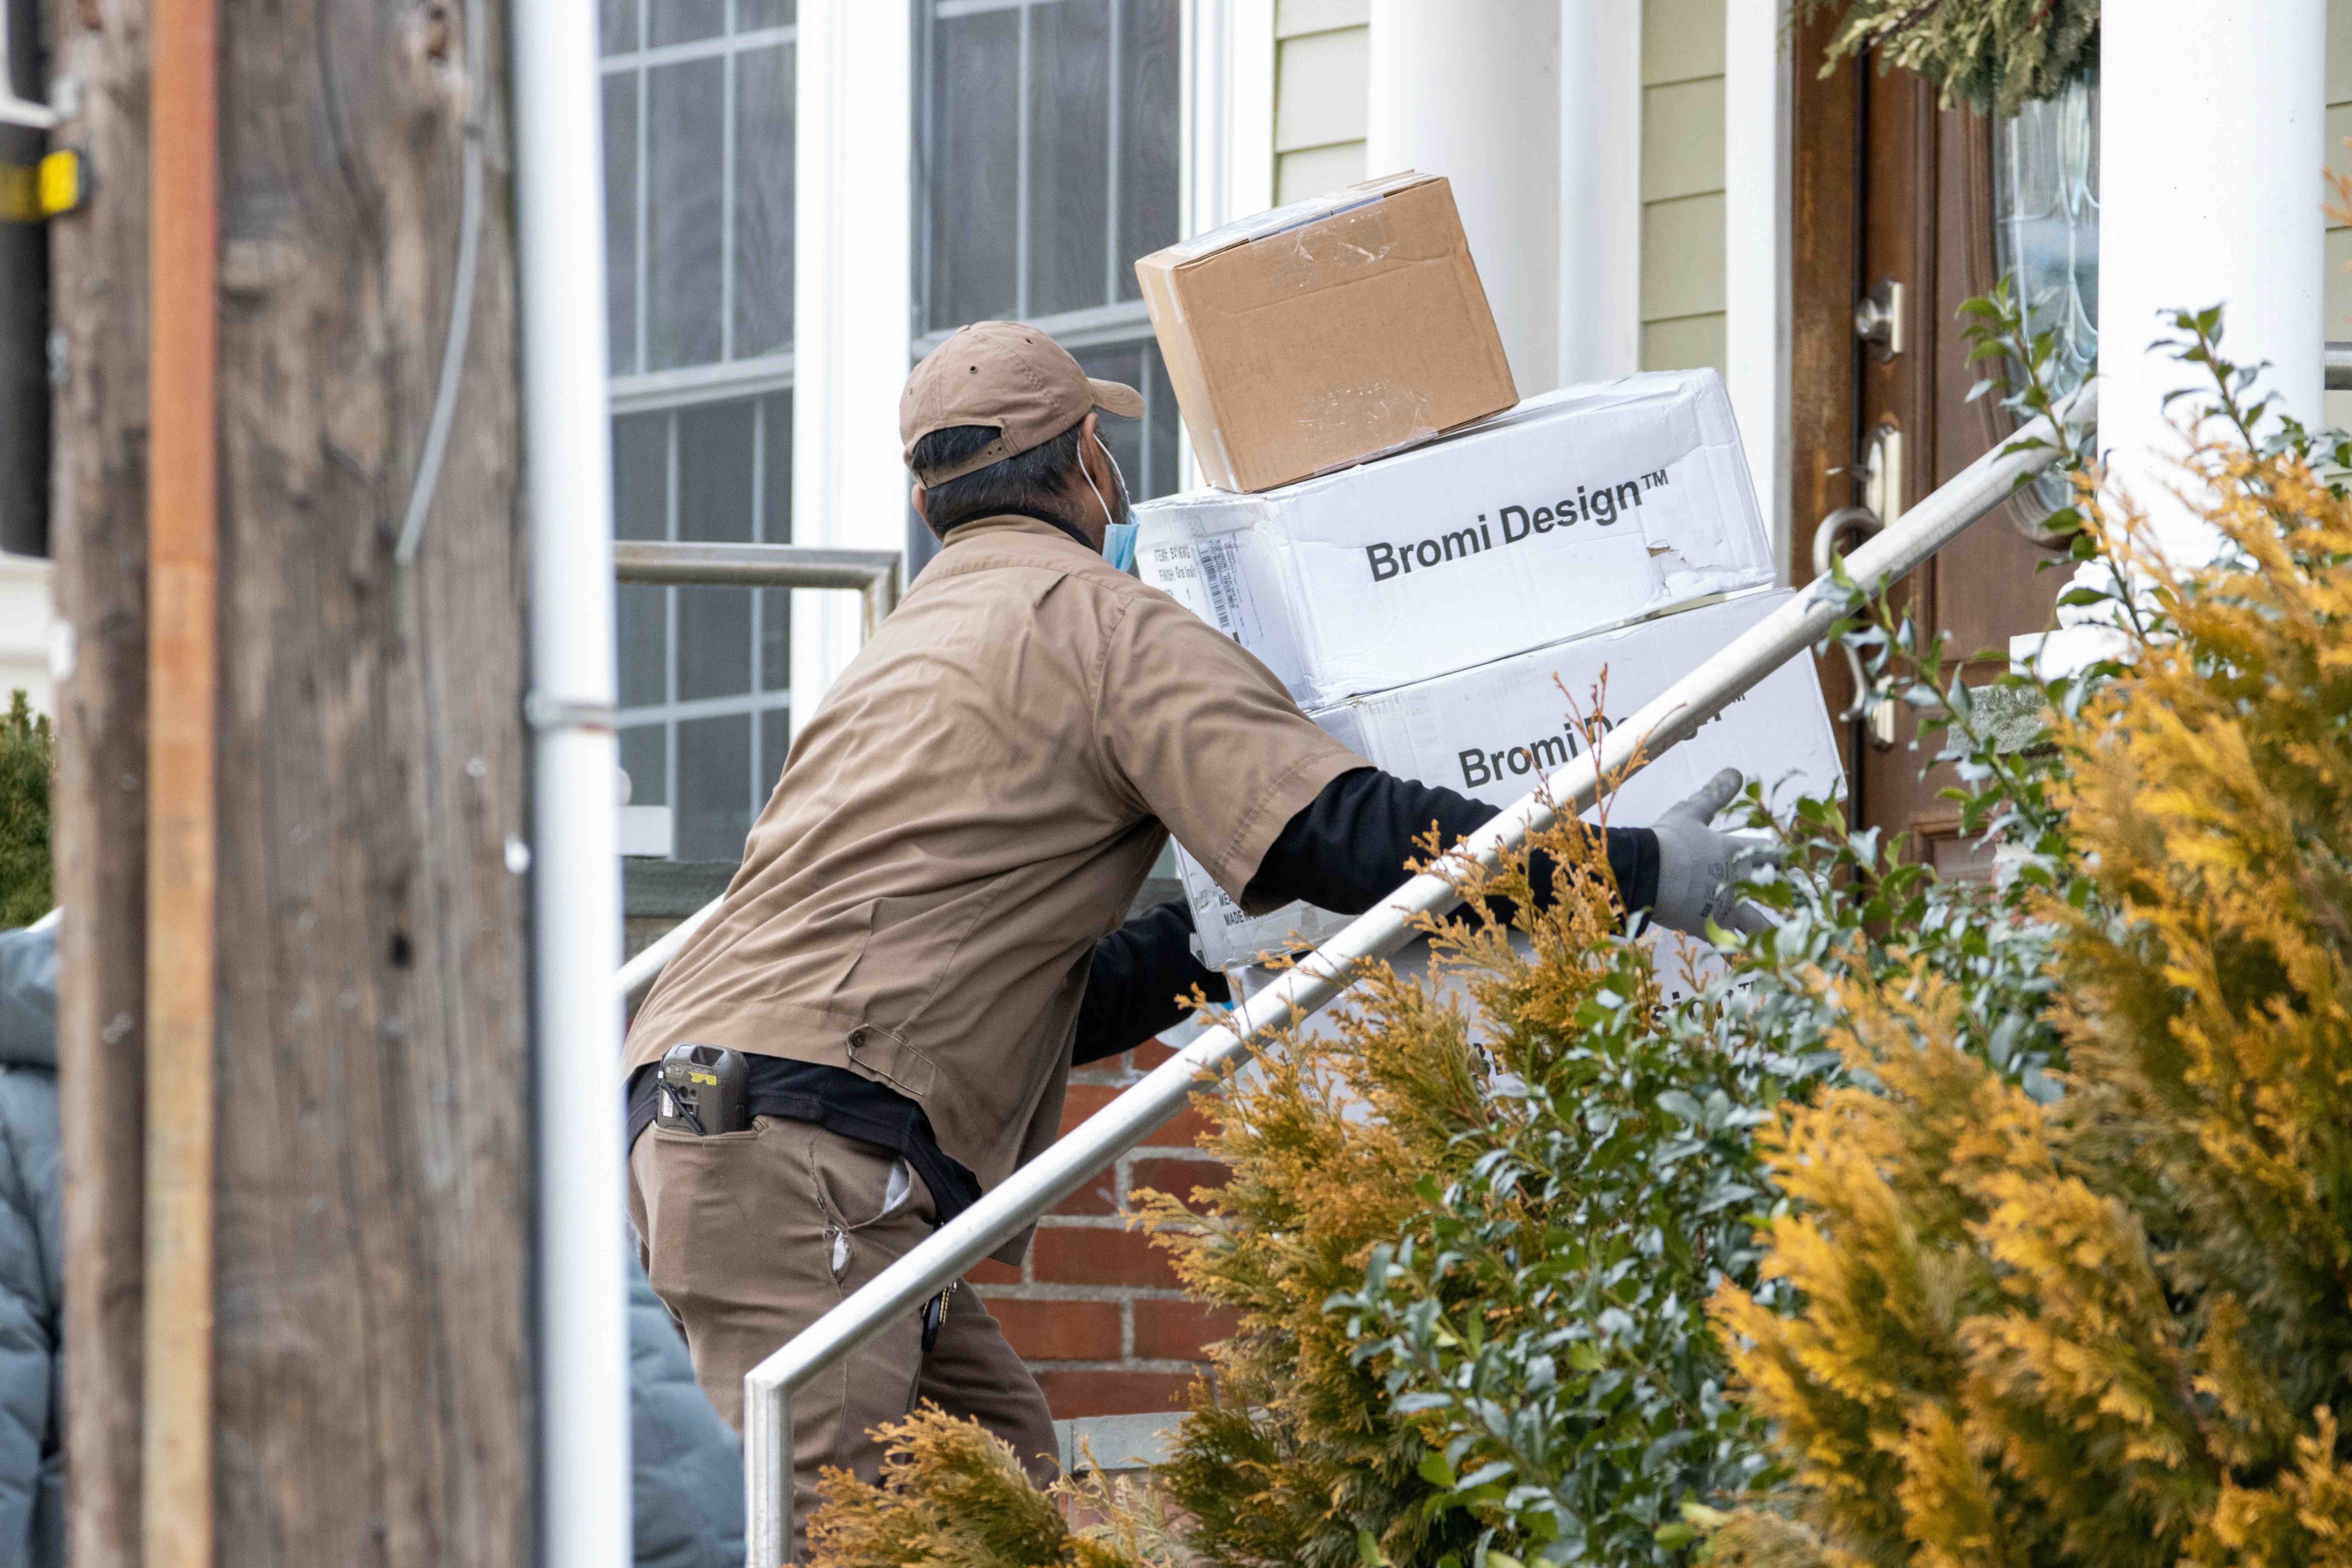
[1446, 611]
[1581, 510]
[1495, 731]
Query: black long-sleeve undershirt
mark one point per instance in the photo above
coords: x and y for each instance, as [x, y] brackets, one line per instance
[1344, 851]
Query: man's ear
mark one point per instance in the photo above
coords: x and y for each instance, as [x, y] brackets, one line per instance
[1089, 435]
[921, 497]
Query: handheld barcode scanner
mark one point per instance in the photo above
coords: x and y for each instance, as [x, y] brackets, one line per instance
[704, 1091]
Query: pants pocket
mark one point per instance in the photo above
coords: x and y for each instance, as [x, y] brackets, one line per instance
[860, 1189]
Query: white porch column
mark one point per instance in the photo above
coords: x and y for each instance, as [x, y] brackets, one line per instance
[1756, 129]
[853, 224]
[1472, 92]
[1227, 108]
[1600, 232]
[1226, 129]
[2212, 135]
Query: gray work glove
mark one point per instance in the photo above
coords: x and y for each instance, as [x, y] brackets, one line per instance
[1697, 867]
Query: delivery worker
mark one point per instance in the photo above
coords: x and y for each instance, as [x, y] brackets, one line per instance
[925, 933]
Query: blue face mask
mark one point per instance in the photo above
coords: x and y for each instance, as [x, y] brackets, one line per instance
[1118, 546]
[1119, 538]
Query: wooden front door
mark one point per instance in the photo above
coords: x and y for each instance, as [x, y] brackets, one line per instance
[1892, 210]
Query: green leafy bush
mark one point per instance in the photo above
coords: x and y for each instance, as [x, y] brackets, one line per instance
[26, 766]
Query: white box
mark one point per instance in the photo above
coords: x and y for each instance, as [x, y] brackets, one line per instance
[1493, 732]
[1584, 509]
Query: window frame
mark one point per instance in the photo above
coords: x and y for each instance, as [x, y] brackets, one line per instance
[638, 389]
[763, 704]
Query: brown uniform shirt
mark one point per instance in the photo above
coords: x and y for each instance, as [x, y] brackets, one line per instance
[977, 800]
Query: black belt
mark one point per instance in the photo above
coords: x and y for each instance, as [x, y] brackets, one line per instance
[842, 1103]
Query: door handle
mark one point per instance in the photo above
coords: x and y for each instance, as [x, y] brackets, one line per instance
[1878, 320]
[1861, 522]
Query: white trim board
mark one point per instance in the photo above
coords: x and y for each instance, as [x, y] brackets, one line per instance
[1225, 93]
[853, 224]
[1600, 190]
[1757, 97]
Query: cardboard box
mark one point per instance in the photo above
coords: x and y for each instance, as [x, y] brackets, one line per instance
[1494, 731]
[1325, 332]
[1584, 509]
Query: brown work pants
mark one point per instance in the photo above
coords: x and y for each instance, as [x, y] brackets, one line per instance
[752, 1237]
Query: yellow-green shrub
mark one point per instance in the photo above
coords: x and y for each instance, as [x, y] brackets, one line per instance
[952, 1495]
[2115, 1328]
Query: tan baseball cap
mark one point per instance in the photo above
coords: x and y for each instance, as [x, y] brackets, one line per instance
[1012, 379]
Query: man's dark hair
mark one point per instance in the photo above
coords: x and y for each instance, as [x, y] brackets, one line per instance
[1030, 481]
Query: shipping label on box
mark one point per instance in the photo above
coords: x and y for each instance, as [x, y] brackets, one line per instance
[1585, 508]
[1325, 332]
[1493, 733]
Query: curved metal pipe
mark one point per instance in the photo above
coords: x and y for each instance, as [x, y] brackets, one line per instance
[1824, 548]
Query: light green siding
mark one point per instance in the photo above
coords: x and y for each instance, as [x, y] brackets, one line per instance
[1681, 39]
[1321, 95]
[1295, 17]
[1682, 323]
[1682, 139]
[1682, 258]
[1679, 344]
[1311, 171]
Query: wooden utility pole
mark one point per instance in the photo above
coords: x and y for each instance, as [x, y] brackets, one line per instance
[99, 271]
[368, 1360]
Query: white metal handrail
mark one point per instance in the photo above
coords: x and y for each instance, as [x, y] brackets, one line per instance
[1062, 1169]
[876, 573]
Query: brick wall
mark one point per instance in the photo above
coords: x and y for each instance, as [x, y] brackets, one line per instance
[1095, 1310]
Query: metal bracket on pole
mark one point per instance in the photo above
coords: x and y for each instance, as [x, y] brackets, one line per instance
[23, 112]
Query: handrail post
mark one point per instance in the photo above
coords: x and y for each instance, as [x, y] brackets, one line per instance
[768, 1434]
[1323, 974]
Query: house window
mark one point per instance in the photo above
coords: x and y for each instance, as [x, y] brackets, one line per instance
[699, 257]
[706, 696]
[1047, 135]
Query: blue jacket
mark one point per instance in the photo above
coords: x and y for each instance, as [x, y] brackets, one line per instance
[32, 1255]
[688, 1466]
[688, 1463]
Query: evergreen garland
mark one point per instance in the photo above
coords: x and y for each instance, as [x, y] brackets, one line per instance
[1990, 54]
[26, 765]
